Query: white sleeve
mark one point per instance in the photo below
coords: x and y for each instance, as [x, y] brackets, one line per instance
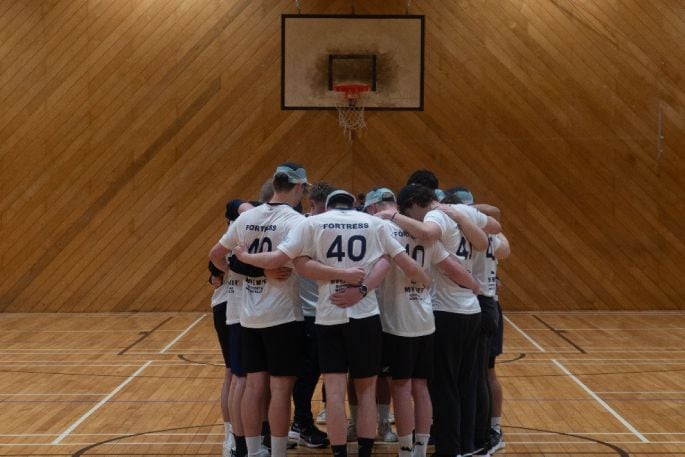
[439, 253]
[388, 243]
[294, 244]
[478, 218]
[439, 218]
[230, 238]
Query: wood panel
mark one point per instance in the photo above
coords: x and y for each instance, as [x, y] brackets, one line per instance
[125, 126]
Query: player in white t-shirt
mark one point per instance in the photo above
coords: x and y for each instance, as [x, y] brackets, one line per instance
[350, 331]
[457, 314]
[484, 266]
[408, 328]
[271, 316]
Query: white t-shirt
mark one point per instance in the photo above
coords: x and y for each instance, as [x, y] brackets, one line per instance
[448, 296]
[343, 239]
[235, 297]
[309, 295]
[220, 294]
[485, 267]
[406, 307]
[266, 303]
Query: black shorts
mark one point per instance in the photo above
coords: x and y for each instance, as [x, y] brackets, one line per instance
[235, 334]
[279, 350]
[497, 339]
[489, 315]
[408, 357]
[222, 331]
[355, 347]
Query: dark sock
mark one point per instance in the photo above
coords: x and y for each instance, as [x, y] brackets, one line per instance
[240, 446]
[266, 430]
[365, 446]
[339, 450]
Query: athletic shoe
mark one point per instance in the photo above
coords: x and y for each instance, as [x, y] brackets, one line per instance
[385, 433]
[482, 452]
[321, 418]
[351, 433]
[294, 432]
[496, 441]
[313, 437]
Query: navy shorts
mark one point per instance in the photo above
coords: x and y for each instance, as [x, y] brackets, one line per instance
[408, 357]
[355, 347]
[278, 350]
[497, 339]
[235, 334]
[221, 328]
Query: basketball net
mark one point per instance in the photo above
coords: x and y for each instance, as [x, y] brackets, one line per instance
[350, 111]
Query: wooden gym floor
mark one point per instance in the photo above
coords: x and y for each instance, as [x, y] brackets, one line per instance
[576, 384]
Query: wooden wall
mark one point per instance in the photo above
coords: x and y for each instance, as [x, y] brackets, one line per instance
[125, 125]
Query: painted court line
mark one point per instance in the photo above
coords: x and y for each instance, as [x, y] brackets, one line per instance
[625, 423]
[73, 426]
[175, 340]
[525, 335]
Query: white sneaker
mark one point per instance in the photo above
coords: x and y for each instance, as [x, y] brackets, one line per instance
[321, 418]
[385, 433]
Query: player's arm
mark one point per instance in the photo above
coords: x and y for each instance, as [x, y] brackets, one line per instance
[477, 237]
[319, 272]
[501, 250]
[489, 210]
[424, 231]
[266, 260]
[452, 269]
[217, 255]
[412, 269]
[353, 294]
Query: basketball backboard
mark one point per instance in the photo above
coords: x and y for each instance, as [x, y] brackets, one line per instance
[322, 51]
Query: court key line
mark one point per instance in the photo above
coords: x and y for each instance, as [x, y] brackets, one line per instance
[525, 335]
[175, 340]
[613, 412]
[73, 426]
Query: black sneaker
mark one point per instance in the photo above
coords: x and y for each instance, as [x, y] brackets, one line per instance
[496, 441]
[313, 437]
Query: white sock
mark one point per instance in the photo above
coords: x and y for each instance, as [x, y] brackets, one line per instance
[228, 431]
[405, 445]
[279, 445]
[494, 423]
[383, 413]
[353, 414]
[254, 444]
[421, 445]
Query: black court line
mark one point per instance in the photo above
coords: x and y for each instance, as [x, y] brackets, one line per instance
[143, 336]
[197, 362]
[561, 334]
[522, 355]
[618, 451]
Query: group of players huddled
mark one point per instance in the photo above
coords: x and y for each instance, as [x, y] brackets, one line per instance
[402, 287]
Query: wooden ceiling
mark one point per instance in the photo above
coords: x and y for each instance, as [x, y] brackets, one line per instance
[126, 125]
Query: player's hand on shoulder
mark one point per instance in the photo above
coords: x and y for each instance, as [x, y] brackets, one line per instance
[386, 213]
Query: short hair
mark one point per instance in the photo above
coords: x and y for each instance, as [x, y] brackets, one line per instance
[425, 178]
[414, 194]
[320, 191]
[266, 192]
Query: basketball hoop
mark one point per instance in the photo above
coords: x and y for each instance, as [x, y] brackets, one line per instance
[350, 111]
